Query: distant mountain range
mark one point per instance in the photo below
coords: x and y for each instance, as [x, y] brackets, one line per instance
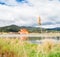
[57, 28]
[15, 28]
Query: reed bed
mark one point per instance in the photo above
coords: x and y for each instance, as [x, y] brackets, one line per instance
[14, 47]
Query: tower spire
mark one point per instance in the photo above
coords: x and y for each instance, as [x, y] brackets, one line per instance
[39, 20]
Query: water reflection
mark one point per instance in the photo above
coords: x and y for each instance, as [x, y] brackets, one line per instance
[32, 39]
[39, 40]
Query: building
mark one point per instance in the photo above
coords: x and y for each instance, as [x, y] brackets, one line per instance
[23, 31]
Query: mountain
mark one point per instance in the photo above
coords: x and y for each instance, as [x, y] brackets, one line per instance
[11, 28]
[15, 28]
[57, 28]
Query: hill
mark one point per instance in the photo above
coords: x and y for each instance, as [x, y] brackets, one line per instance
[11, 28]
[15, 28]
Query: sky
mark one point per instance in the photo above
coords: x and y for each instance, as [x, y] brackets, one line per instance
[26, 13]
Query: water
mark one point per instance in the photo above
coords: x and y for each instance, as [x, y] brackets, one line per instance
[39, 40]
[32, 38]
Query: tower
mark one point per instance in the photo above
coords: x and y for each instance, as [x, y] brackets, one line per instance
[39, 23]
[39, 20]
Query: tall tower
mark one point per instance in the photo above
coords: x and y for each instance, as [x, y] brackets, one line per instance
[39, 20]
[39, 23]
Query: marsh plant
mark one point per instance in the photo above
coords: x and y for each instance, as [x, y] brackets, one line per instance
[10, 47]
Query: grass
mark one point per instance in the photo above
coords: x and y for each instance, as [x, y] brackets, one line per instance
[10, 47]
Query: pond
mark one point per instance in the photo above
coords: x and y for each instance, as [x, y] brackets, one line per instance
[39, 40]
[32, 38]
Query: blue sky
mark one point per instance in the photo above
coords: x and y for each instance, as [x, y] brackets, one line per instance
[26, 12]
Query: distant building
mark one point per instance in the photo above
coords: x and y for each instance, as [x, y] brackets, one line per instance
[39, 20]
[23, 31]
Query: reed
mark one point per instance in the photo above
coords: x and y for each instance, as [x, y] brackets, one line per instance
[10, 47]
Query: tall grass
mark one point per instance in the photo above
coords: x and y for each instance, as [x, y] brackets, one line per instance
[18, 48]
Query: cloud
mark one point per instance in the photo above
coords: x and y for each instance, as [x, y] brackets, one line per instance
[48, 10]
[9, 2]
[20, 16]
[26, 14]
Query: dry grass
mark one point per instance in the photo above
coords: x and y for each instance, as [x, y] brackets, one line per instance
[17, 48]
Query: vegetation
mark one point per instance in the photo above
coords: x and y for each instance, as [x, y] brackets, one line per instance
[14, 47]
[14, 28]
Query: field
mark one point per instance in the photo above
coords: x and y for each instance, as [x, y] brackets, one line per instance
[15, 47]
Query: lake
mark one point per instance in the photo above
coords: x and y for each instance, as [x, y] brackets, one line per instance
[39, 40]
[33, 38]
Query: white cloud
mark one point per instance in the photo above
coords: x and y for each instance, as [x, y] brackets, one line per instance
[24, 14]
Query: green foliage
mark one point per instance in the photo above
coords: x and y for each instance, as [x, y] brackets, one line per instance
[18, 48]
[14, 28]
